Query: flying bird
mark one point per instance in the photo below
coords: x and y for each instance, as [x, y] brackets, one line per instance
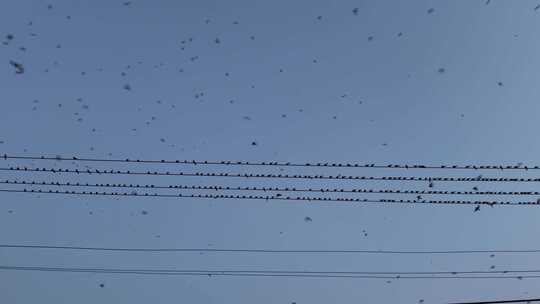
[477, 208]
[19, 68]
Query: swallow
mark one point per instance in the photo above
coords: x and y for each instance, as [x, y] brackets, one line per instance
[19, 68]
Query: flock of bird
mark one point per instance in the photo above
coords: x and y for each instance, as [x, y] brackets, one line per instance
[25, 185]
[19, 68]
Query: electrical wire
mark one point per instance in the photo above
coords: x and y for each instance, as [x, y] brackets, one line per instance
[279, 273]
[274, 163]
[270, 251]
[274, 176]
[274, 197]
[266, 189]
[501, 301]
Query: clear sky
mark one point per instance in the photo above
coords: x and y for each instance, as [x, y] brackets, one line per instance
[433, 82]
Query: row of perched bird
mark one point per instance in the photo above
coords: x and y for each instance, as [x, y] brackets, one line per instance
[294, 176]
[275, 163]
[274, 197]
[269, 189]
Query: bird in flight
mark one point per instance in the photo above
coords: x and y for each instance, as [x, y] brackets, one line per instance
[19, 68]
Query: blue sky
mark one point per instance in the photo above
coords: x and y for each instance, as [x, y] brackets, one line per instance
[303, 89]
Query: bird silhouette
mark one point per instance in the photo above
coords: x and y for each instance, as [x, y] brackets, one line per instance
[477, 208]
[19, 68]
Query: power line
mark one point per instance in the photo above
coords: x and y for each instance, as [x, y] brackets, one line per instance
[502, 301]
[279, 273]
[266, 189]
[274, 163]
[271, 251]
[275, 197]
[275, 176]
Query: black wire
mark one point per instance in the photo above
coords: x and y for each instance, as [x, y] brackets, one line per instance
[276, 273]
[265, 250]
[267, 189]
[267, 198]
[501, 301]
[279, 164]
[277, 176]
